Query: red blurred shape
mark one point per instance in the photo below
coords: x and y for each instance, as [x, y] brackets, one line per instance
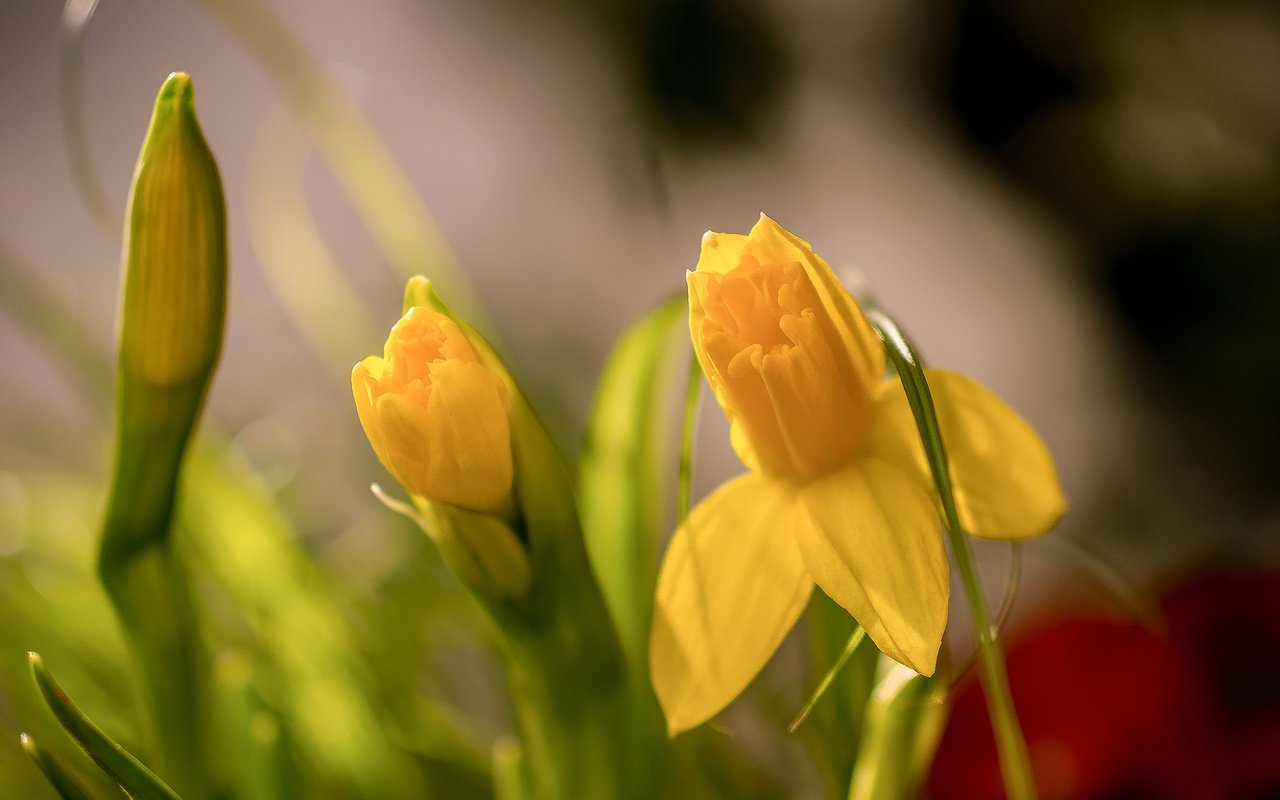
[1111, 710]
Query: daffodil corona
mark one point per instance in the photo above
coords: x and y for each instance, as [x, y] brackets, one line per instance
[436, 415]
[838, 494]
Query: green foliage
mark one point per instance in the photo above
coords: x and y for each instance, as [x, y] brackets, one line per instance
[132, 776]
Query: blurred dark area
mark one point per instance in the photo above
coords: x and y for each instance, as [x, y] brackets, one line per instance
[704, 72]
[1150, 131]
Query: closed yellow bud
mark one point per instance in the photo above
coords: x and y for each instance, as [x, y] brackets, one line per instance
[437, 417]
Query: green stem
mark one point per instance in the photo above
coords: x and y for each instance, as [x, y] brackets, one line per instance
[572, 708]
[150, 594]
[146, 581]
[1015, 763]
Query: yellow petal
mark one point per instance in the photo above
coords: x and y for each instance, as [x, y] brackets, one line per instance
[405, 445]
[720, 252]
[772, 243]
[731, 585]
[364, 378]
[469, 431]
[872, 541]
[1003, 476]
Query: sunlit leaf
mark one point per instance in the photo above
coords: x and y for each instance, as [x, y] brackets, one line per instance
[140, 782]
[624, 468]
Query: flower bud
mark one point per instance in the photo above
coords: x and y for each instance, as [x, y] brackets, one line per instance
[436, 416]
[175, 256]
[172, 305]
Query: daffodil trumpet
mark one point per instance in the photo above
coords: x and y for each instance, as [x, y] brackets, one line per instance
[838, 492]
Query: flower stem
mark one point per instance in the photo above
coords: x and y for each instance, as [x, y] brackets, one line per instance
[1015, 763]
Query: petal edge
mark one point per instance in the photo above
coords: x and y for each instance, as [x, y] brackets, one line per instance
[731, 586]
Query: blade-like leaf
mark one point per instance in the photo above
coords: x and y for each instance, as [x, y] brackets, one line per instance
[140, 782]
[854, 640]
[59, 775]
[620, 476]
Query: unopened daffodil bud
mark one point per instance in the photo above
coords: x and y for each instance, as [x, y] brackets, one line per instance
[175, 250]
[436, 416]
[173, 301]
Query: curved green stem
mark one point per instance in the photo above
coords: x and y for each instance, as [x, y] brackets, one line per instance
[1015, 764]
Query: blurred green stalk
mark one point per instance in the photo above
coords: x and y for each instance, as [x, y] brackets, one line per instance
[173, 297]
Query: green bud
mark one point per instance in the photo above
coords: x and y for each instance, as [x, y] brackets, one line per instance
[175, 249]
[173, 299]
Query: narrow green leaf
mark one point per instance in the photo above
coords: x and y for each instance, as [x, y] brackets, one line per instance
[1098, 570]
[140, 782]
[1013, 580]
[60, 777]
[381, 195]
[621, 473]
[302, 270]
[854, 640]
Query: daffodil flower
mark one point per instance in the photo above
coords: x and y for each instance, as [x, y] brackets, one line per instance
[436, 415]
[838, 492]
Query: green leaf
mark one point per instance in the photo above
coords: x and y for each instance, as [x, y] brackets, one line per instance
[140, 782]
[855, 639]
[622, 471]
[60, 776]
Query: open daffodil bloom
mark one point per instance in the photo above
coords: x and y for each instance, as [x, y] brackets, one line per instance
[839, 492]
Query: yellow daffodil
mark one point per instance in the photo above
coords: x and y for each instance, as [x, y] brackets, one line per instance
[838, 493]
[436, 415]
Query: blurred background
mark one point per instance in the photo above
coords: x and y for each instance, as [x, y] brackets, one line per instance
[1076, 204]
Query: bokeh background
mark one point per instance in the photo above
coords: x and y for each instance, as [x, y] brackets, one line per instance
[1075, 203]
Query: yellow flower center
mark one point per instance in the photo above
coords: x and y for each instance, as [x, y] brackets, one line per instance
[773, 355]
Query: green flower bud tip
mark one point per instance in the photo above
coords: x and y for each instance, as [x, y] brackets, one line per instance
[175, 260]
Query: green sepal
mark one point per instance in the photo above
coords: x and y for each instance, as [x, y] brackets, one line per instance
[480, 548]
[126, 770]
